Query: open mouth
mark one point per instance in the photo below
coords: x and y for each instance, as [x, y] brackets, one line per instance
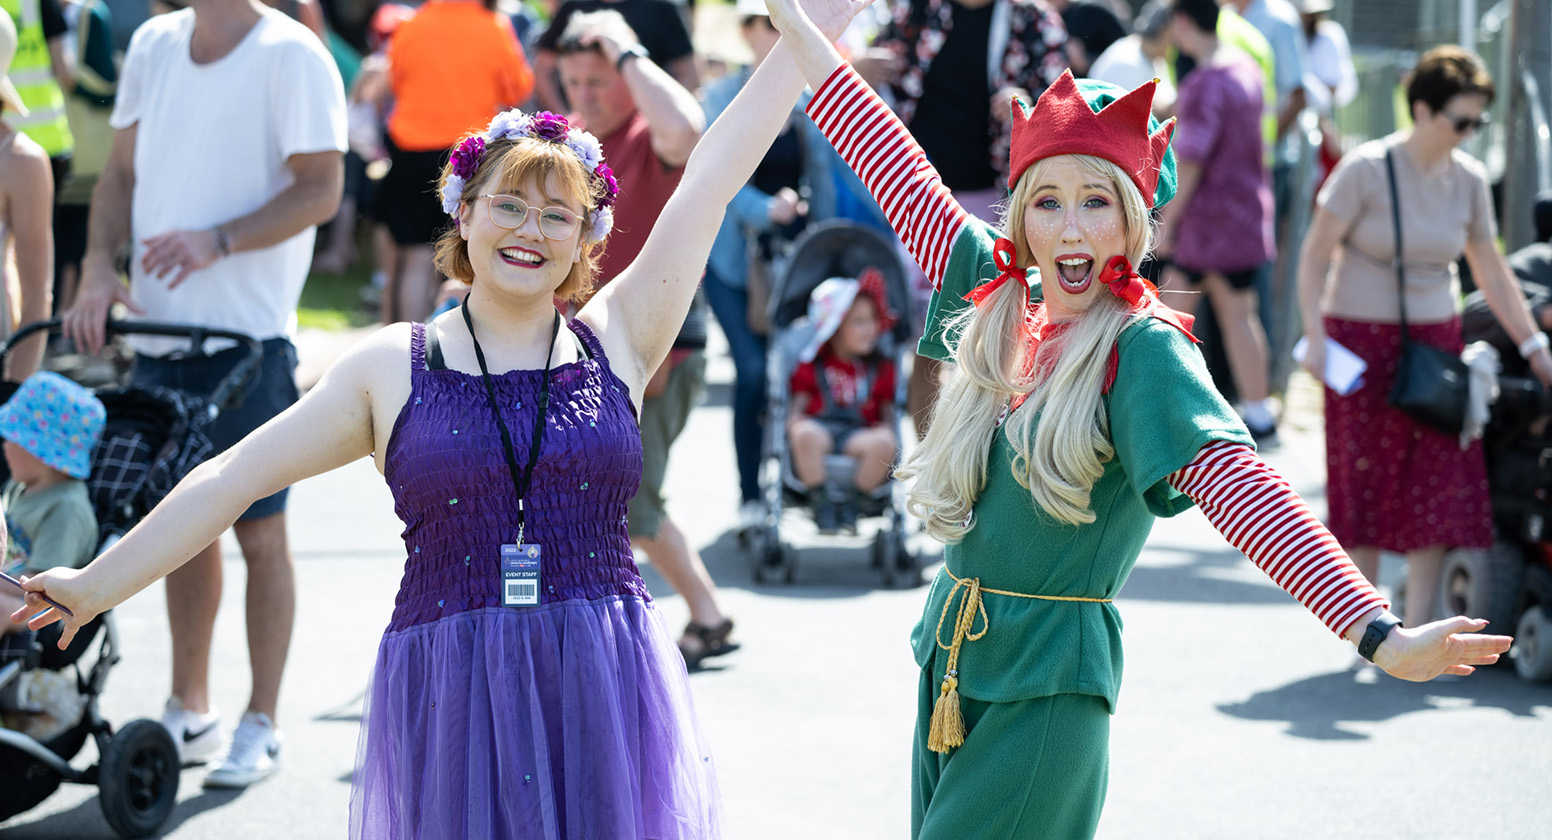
[521, 257]
[1074, 274]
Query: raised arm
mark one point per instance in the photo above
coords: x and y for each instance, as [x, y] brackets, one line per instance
[638, 314]
[673, 115]
[875, 144]
[1258, 512]
[329, 427]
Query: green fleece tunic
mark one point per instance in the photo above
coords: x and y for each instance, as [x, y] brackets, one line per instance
[1039, 686]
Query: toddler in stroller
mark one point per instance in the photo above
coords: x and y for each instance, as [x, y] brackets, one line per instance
[832, 435]
[50, 426]
[842, 399]
[131, 445]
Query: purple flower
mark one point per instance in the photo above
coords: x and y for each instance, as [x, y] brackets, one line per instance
[548, 126]
[611, 187]
[466, 158]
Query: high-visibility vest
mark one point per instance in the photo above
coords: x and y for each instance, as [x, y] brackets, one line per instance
[33, 76]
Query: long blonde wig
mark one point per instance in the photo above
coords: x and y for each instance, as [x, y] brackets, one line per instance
[1059, 459]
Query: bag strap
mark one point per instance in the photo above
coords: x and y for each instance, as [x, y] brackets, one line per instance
[1395, 221]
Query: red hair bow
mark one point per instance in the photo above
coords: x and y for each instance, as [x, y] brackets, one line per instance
[1131, 287]
[1003, 255]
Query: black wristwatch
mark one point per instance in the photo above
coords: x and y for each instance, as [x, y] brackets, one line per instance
[633, 51]
[1376, 632]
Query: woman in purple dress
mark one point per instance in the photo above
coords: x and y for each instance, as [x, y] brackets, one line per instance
[526, 686]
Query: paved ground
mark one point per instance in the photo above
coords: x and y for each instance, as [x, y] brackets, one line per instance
[1239, 718]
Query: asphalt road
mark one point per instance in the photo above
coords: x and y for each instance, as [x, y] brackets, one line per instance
[1240, 716]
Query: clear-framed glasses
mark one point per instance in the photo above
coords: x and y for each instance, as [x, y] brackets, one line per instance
[509, 211]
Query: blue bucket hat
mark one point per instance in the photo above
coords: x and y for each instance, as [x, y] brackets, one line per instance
[56, 420]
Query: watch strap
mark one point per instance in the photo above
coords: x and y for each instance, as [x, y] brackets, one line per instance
[1375, 633]
[634, 51]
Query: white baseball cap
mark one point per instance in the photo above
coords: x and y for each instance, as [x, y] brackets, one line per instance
[746, 8]
[8, 94]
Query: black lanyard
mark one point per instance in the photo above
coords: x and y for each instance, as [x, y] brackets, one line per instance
[519, 484]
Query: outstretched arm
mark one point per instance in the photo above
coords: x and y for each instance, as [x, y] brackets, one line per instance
[638, 314]
[329, 427]
[1255, 509]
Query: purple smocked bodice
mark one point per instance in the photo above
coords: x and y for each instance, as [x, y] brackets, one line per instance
[452, 489]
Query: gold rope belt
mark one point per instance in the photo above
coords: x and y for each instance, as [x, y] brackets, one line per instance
[947, 730]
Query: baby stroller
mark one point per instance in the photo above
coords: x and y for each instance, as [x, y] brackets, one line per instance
[151, 439]
[1510, 584]
[835, 248]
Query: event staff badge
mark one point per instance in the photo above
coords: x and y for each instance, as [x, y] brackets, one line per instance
[520, 574]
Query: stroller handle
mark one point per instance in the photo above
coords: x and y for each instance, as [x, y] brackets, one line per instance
[197, 336]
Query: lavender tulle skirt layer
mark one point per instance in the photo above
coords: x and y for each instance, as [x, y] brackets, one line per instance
[571, 720]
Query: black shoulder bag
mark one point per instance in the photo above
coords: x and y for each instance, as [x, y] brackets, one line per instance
[1431, 384]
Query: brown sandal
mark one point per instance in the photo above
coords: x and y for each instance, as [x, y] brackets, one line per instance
[713, 641]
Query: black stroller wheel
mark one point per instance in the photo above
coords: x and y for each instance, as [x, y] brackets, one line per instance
[138, 782]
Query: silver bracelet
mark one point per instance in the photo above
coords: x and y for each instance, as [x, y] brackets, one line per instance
[1537, 341]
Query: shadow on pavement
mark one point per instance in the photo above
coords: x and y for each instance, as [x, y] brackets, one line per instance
[1325, 707]
[85, 821]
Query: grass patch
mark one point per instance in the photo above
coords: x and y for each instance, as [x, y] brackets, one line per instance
[333, 301]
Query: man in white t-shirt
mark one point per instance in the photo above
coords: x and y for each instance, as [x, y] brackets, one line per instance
[230, 129]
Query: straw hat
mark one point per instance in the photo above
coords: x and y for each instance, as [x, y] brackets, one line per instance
[8, 94]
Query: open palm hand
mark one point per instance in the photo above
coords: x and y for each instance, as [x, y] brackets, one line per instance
[830, 16]
[1443, 647]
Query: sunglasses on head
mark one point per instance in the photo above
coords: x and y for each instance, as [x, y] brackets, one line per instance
[1465, 124]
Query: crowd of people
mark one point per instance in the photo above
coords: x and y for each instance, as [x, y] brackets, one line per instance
[557, 197]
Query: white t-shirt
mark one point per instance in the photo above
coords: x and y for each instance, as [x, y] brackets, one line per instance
[211, 146]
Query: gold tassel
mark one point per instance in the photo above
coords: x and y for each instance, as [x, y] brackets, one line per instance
[947, 727]
[947, 730]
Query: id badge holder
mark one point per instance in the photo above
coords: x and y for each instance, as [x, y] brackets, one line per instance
[520, 574]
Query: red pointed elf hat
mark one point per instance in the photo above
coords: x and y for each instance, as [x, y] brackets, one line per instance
[1089, 117]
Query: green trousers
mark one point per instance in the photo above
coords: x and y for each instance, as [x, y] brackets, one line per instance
[1028, 770]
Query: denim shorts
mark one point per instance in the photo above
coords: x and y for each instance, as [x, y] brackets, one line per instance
[271, 392]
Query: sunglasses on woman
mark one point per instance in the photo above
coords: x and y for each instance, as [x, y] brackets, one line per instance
[509, 211]
[1465, 124]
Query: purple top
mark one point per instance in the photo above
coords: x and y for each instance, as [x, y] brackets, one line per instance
[451, 487]
[1228, 224]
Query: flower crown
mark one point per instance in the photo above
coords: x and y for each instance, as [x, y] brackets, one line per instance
[510, 125]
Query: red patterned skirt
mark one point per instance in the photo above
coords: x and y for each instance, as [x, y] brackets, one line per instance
[1395, 483]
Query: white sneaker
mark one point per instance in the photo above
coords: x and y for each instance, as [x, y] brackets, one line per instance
[253, 756]
[198, 736]
[751, 516]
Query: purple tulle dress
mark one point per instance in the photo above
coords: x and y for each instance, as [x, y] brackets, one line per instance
[570, 719]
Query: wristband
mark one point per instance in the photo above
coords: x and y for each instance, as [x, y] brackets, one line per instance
[1376, 632]
[223, 242]
[634, 51]
[1537, 341]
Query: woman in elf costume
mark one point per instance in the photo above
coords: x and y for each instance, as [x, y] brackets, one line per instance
[1080, 410]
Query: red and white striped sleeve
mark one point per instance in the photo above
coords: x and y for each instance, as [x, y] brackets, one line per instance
[1258, 512]
[877, 146]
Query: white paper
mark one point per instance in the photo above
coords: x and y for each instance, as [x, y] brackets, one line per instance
[1344, 368]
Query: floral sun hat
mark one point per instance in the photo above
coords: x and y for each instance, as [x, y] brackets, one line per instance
[56, 420]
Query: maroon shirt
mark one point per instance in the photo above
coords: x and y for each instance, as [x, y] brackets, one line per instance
[645, 185]
[1228, 224]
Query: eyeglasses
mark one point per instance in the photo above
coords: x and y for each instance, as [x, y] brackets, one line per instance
[1465, 124]
[510, 212]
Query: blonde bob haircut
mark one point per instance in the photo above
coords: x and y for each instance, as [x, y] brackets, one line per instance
[508, 162]
[1060, 458]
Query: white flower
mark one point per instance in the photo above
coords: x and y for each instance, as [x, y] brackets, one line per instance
[452, 194]
[586, 147]
[507, 125]
[603, 222]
